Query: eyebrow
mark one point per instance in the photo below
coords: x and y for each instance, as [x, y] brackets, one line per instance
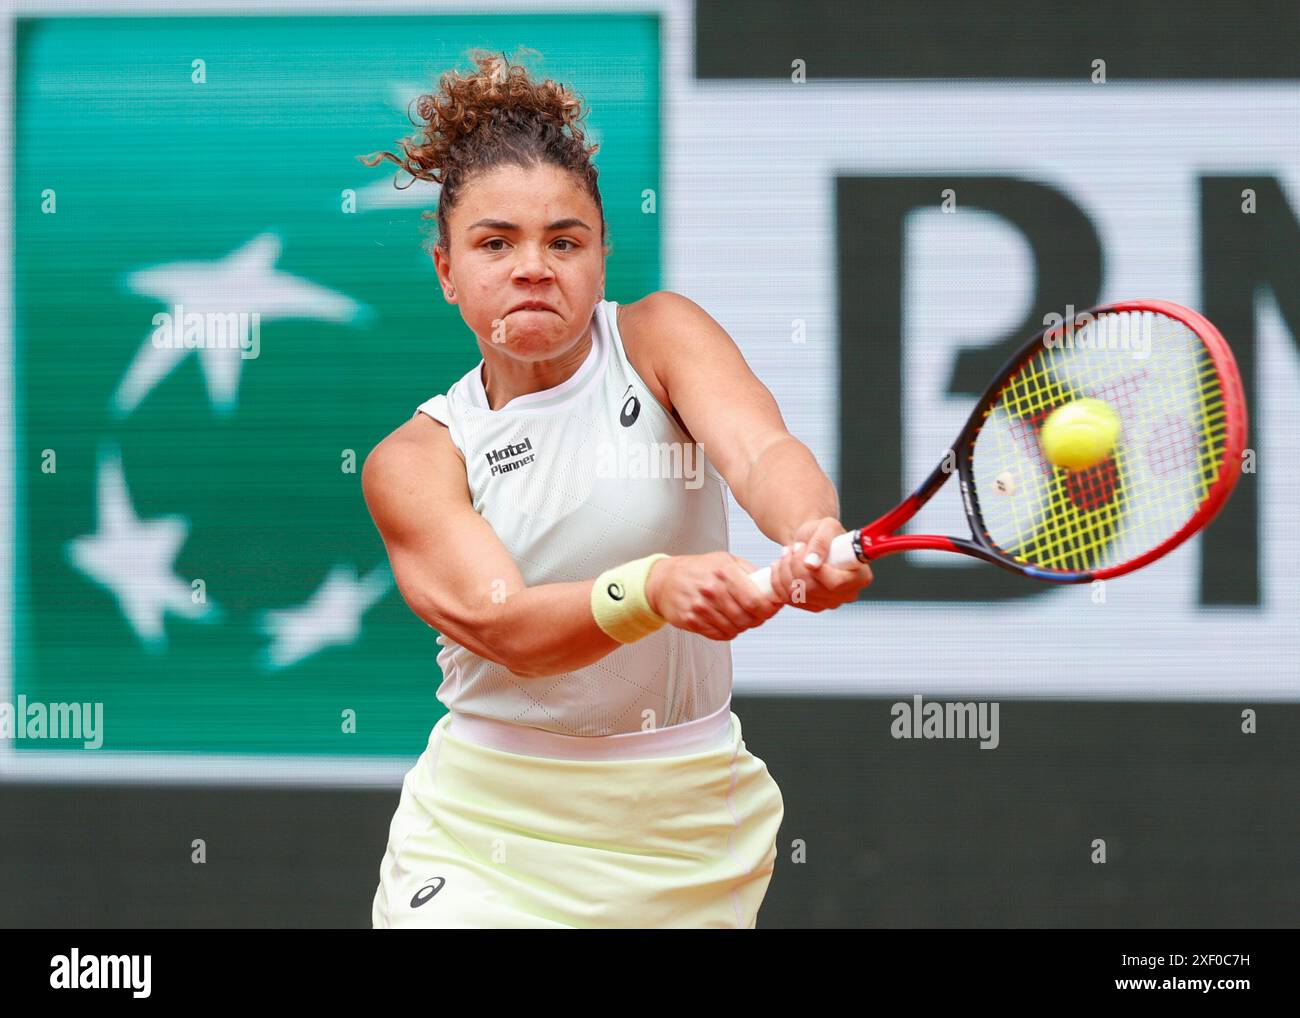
[501, 224]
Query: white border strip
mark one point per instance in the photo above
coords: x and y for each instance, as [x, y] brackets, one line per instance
[102, 767]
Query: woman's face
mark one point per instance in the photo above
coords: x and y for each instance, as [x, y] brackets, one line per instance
[520, 235]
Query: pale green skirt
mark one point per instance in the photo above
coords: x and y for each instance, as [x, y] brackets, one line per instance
[485, 837]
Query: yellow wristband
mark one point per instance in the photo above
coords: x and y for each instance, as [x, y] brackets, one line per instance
[618, 601]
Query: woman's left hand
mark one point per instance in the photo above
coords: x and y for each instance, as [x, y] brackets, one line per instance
[796, 581]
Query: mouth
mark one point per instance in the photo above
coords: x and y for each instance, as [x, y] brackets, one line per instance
[532, 305]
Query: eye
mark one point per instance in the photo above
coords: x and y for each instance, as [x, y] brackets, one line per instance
[566, 240]
[494, 240]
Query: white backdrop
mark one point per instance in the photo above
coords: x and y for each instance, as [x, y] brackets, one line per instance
[748, 201]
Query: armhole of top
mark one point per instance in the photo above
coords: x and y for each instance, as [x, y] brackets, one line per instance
[436, 408]
[439, 409]
[617, 333]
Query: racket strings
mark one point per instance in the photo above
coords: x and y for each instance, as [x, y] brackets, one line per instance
[1157, 376]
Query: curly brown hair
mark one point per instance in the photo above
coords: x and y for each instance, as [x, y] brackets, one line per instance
[496, 115]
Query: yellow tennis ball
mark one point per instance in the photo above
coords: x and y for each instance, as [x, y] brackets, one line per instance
[1080, 434]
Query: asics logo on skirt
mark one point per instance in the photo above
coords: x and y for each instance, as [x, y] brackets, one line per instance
[427, 891]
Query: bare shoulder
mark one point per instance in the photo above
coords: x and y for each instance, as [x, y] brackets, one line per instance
[418, 456]
[656, 313]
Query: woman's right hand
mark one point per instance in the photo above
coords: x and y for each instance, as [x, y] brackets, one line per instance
[709, 594]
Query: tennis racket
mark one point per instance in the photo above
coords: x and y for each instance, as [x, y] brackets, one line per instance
[1182, 430]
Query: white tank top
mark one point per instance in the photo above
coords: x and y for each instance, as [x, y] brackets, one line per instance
[576, 479]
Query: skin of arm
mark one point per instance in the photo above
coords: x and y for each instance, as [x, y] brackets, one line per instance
[454, 572]
[774, 476]
[458, 577]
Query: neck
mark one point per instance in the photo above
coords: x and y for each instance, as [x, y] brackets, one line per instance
[506, 378]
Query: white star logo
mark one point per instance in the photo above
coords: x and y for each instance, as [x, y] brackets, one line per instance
[331, 616]
[133, 558]
[244, 282]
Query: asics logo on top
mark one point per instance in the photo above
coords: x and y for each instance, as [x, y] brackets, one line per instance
[631, 410]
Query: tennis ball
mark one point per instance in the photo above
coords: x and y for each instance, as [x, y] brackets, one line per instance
[1080, 434]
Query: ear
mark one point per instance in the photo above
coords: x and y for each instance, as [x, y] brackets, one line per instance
[442, 264]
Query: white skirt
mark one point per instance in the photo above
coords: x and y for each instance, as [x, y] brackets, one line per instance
[504, 826]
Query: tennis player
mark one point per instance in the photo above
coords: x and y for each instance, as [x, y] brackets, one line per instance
[554, 517]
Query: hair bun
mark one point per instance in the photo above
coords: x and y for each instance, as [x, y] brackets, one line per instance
[498, 94]
[492, 115]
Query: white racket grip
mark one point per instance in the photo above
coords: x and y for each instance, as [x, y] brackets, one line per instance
[841, 555]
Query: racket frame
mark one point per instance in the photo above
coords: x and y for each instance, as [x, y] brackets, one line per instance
[878, 538]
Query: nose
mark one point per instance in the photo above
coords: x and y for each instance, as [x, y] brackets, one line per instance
[531, 263]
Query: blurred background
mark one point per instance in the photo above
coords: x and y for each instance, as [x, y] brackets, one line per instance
[877, 201]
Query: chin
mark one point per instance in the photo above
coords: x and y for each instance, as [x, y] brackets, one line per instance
[544, 329]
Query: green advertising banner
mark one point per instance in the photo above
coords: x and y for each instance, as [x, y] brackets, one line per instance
[191, 547]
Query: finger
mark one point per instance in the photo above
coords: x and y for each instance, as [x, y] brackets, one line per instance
[743, 602]
[719, 602]
[794, 561]
[802, 589]
[783, 575]
[711, 633]
[759, 607]
[730, 607]
[731, 619]
[819, 545]
[842, 588]
[856, 574]
[747, 568]
[806, 579]
[802, 573]
[708, 622]
[831, 577]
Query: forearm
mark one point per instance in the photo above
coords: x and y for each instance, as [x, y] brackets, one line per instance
[546, 630]
[785, 487]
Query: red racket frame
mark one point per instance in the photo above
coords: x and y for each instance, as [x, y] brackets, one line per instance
[878, 539]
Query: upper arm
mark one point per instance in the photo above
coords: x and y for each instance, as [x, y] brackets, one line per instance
[448, 562]
[697, 361]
